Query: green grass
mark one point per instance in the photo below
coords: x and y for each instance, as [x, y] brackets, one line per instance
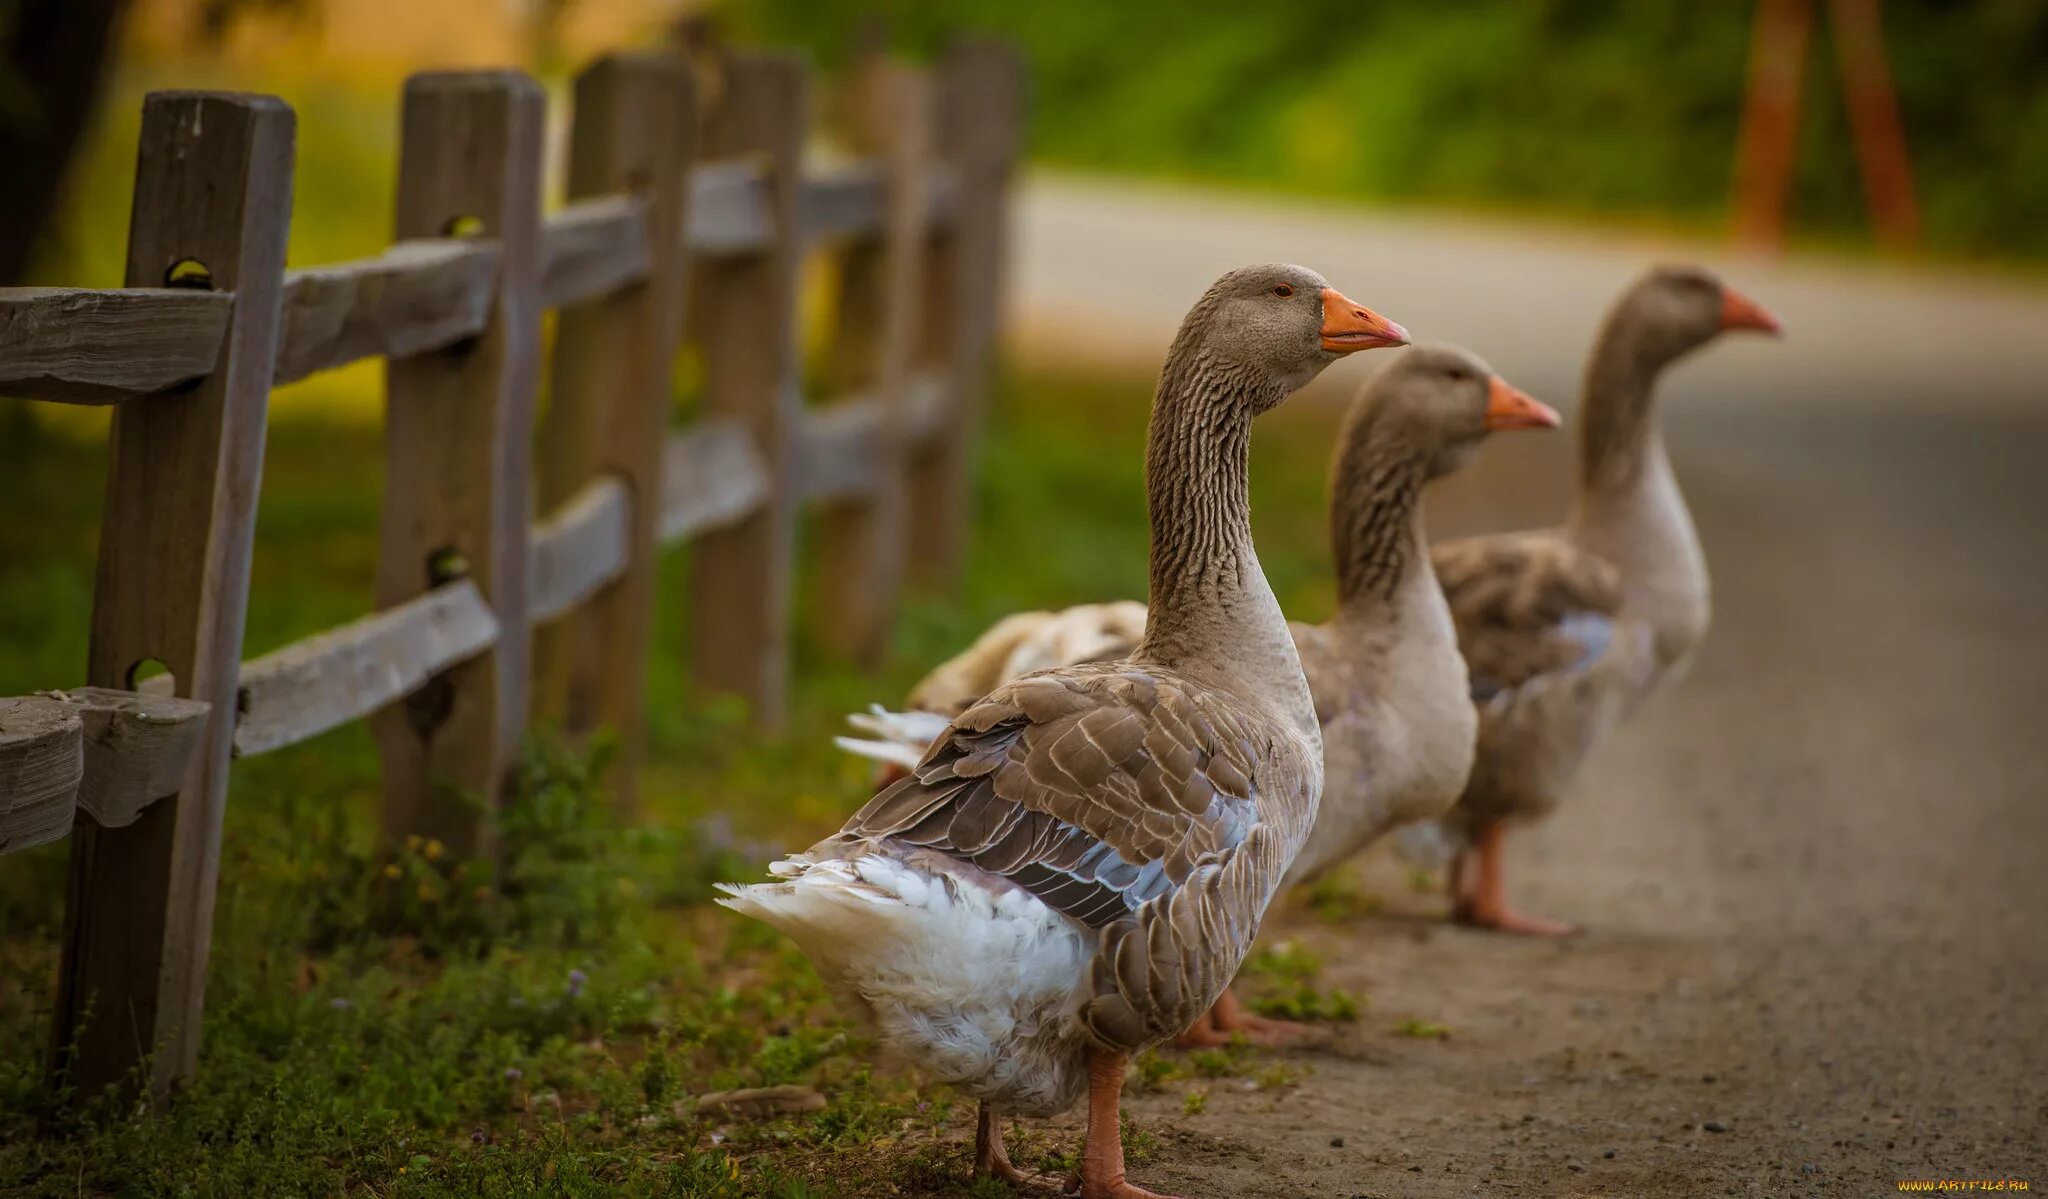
[1281, 980]
[1422, 1030]
[376, 1025]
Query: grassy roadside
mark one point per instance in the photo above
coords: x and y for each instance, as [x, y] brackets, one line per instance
[379, 1025]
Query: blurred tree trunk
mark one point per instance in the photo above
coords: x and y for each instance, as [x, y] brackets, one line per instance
[53, 58]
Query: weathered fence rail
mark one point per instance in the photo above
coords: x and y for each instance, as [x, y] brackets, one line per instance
[506, 586]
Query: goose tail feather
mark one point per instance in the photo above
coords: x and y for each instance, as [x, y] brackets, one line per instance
[897, 738]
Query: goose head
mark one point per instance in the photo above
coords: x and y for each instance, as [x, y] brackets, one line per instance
[1274, 327]
[1674, 310]
[1441, 401]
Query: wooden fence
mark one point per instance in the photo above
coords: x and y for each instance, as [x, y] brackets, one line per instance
[689, 213]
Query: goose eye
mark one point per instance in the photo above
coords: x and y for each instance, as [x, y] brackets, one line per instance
[1282, 290]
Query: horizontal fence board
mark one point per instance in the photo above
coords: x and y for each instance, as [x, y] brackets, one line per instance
[578, 549]
[837, 449]
[839, 445]
[852, 200]
[945, 194]
[414, 297]
[111, 753]
[711, 476]
[349, 672]
[592, 248]
[729, 209]
[89, 346]
[42, 762]
[83, 346]
[845, 201]
[924, 407]
[138, 749]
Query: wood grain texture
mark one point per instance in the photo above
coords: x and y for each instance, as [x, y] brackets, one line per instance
[138, 748]
[414, 297]
[42, 762]
[744, 312]
[595, 246]
[887, 112]
[580, 549]
[457, 453]
[349, 672]
[711, 477]
[635, 129]
[980, 112]
[213, 183]
[76, 345]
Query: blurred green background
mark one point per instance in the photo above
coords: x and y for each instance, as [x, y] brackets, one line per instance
[1574, 106]
[1597, 109]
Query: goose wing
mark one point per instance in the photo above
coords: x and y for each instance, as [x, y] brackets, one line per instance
[1096, 788]
[1527, 606]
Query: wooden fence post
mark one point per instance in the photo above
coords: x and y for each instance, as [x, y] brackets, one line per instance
[980, 108]
[862, 550]
[458, 438]
[743, 309]
[213, 191]
[635, 129]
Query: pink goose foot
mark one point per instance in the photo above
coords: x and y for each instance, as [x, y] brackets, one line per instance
[1480, 895]
[1229, 1018]
[992, 1157]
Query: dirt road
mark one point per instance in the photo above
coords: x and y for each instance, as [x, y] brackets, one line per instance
[1813, 871]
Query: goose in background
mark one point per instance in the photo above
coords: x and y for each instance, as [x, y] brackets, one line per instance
[1566, 630]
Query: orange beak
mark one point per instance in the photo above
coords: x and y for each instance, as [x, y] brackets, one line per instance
[1349, 326]
[1508, 407]
[1740, 312]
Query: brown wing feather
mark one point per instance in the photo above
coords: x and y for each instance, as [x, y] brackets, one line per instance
[1098, 789]
[1514, 599]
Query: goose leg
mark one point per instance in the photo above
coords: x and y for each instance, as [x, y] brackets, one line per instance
[1102, 1160]
[1231, 1016]
[991, 1158]
[1482, 898]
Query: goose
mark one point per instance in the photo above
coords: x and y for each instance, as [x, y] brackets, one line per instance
[1567, 630]
[1389, 685]
[1078, 866]
[1016, 645]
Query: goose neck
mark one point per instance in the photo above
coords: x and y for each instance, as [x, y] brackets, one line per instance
[1212, 613]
